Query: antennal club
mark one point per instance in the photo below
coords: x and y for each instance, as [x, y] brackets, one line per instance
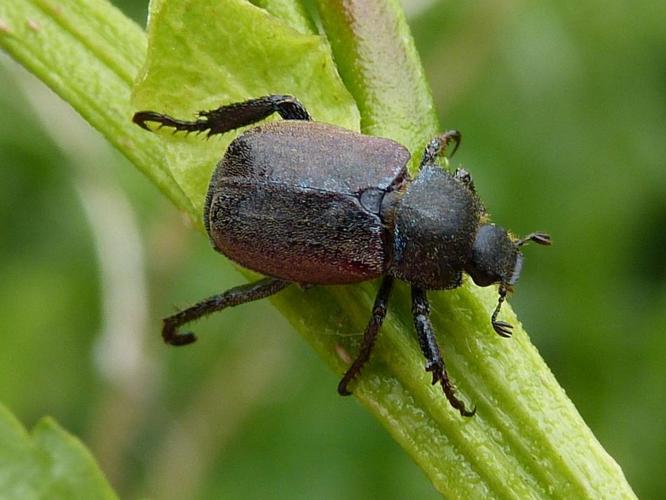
[537, 237]
[502, 328]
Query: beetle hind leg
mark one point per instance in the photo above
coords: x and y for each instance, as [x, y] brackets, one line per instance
[233, 297]
[229, 117]
[430, 349]
[379, 310]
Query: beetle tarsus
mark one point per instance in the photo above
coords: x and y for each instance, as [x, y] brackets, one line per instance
[378, 314]
[450, 392]
[342, 386]
[171, 335]
[142, 118]
[180, 339]
[233, 297]
[430, 349]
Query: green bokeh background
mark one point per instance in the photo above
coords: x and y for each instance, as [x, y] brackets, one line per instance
[562, 106]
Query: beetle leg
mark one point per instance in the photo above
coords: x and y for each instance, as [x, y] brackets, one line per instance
[438, 146]
[378, 314]
[231, 116]
[465, 177]
[430, 349]
[233, 297]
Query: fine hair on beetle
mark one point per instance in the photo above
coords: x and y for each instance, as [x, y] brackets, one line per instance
[309, 203]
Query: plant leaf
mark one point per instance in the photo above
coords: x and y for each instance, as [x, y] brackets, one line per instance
[48, 463]
[184, 74]
[292, 12]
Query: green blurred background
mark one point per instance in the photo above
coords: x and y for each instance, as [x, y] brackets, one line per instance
[562, 106]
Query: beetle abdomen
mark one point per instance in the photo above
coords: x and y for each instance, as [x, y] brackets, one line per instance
[297, 234]
[315, 155]
[301, 201]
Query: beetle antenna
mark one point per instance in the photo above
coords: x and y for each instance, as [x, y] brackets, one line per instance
[537, 237]
[502, 328]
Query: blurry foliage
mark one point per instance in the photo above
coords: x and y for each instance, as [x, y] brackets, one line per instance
[46, 463]
[561, 106]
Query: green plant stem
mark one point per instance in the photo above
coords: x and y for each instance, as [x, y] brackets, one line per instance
[527, 439]
[89, 53]
[378, 62]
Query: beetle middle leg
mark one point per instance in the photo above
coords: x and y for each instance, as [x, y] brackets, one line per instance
[229, 117]
[233, 297]
[378, 314]
[430, 349]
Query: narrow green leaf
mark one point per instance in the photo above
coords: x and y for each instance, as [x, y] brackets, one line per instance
[48, 463]
[376, 57]
[527, 439]
[292, 12]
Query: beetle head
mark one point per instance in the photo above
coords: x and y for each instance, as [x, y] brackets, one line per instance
[496, 257]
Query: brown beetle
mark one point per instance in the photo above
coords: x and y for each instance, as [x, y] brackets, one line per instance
[310, 203]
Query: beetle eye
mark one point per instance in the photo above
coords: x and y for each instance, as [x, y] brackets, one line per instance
[482, 278]
[517, 269]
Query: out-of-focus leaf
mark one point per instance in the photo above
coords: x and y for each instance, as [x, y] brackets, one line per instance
[47, 463]
[88, 52]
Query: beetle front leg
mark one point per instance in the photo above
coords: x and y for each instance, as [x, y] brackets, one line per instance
[233, 297]
[378, 314]
[439, 145]
[465, 177]
[430, 349]
[229, 117]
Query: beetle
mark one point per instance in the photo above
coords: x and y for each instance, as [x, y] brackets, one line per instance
[315, 204]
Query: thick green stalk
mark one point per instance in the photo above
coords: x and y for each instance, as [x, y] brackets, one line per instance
[89, 53]
[376, 57]
[527, 440]
[521, 406]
